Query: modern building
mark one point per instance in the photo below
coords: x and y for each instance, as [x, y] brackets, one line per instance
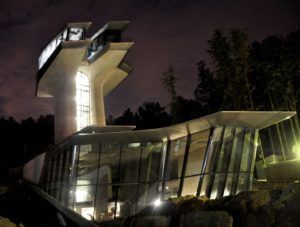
[78, 71]
[105, 172]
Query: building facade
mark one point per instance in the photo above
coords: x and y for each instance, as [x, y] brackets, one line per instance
[106, 172]
[78, 71]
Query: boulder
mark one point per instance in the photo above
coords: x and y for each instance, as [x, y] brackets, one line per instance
[206, 219]
[153, 221]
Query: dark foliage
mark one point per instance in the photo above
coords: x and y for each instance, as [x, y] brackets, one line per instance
[22, 141]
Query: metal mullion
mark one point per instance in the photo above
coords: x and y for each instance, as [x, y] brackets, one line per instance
[67, 178]
[76, 176]
[215, 160]
[138, 179]
[226, 163]
[185, 159]
[119, 180]
[271, 140]
[285, 145]
[251, 157]
[64, 156]
[164, 170]
[98, 169]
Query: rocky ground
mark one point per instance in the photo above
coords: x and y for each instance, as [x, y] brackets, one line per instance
[272, 207]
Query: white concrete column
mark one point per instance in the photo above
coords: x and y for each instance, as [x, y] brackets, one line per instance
[65, 109]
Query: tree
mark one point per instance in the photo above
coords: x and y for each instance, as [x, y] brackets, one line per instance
[230, 57]
[152, 115]
[207, 92]
[169, 81]
[127, 118]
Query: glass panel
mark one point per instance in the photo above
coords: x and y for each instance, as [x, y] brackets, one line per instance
[190, 185]
[52, 174]
[109, 164]
[50, 48]
[130, 158]
[88, 164]
[171, 188]
[106, 199]
[147, 194]
[218, 185]
[84, 201]
[241, 183]
[213, 147]
[253, 151]
[69, 196]
[196, 153]
[175, 159]
[48, 174]
[229, 182]
[66, 167]
[59, 172]
[75, 33]
[236, 150]
[82, 100]
[73, 165]
[204, 184]
[226, 148]
[246, 148]
[151, 162]
[127, 200]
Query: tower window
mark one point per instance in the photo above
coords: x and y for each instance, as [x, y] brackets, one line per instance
[82, 100]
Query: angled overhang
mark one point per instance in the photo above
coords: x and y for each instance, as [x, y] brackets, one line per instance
[65, 60]
[248, 119]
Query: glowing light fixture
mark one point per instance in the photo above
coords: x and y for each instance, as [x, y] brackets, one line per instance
[157, 202]
[82, 100]
[296, 150]
[81, 195]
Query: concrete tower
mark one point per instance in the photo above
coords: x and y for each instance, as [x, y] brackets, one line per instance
[78, 71]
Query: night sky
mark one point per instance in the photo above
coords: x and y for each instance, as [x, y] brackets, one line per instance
[165, 32]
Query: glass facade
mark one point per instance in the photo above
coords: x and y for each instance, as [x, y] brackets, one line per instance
[82, 100]
[279, 142]
[67, 34]
[103, 181]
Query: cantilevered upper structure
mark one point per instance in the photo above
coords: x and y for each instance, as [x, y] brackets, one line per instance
[78, 71]
[111, 172]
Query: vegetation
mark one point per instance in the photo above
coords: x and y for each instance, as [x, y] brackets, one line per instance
[21, 141]
[262, 75]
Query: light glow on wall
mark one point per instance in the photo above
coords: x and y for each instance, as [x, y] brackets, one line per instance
[296, 150]
[82, 100]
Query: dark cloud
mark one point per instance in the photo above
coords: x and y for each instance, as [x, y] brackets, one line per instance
[165, 32]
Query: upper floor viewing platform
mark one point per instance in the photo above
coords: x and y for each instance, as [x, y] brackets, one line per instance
[75, 35]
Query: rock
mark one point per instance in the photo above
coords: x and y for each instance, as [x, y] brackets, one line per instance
[5, 222]
[153, 221]
[166, 208]
[190, 205]
[206, 219]
[258, 199]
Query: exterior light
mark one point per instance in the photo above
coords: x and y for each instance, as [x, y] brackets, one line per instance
[296, 150]
[157, 202]
[133, 145]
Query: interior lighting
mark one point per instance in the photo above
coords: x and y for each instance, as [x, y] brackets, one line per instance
[157, 202]
[296, 150]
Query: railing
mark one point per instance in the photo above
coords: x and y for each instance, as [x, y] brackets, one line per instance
[100, 39]
[70, 33]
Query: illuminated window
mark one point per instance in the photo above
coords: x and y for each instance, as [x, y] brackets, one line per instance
[82, 100]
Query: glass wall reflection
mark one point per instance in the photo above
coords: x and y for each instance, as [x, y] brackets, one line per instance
[103, 181]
